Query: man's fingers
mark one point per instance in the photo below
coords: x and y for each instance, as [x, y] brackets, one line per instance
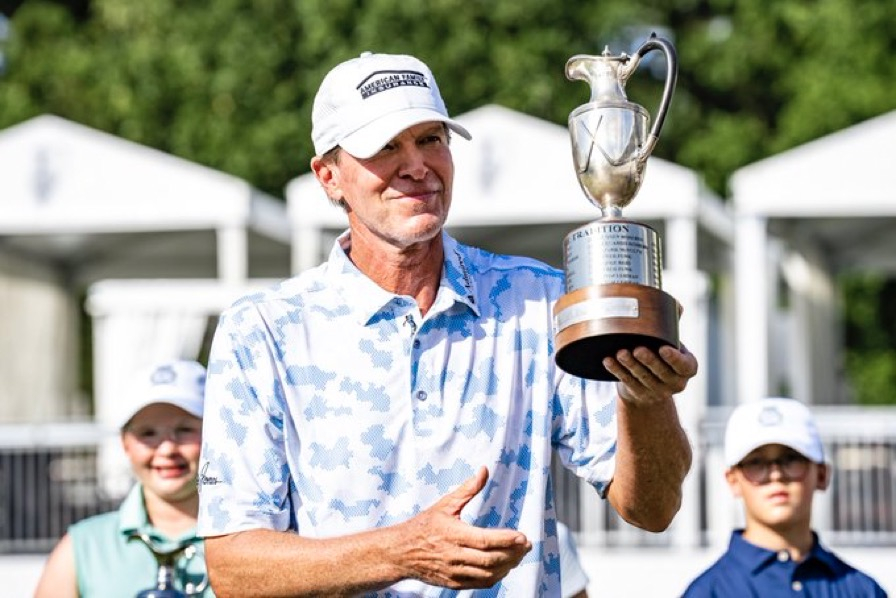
[456, 500]
[682, 361]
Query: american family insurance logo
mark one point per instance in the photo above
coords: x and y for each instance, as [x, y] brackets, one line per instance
[384, 80]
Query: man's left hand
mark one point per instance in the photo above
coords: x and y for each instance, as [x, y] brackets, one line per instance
[646, 377]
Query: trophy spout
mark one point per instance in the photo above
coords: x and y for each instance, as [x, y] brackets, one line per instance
[602, 73]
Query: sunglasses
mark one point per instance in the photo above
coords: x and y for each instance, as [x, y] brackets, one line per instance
[153, 436]
[792, 466]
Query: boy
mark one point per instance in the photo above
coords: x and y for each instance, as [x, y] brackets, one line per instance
[775, 462]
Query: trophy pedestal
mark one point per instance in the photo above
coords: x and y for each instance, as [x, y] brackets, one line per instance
[595, 322]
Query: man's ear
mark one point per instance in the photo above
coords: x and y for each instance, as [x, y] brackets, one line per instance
[824, 476]
[327, 174]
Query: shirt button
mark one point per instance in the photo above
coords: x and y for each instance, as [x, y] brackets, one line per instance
[797, 586]
[416, 344]
[783, 556]
[421, 395]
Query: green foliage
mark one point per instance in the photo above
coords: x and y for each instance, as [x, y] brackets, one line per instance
[870, 324]
[229, 83]
[873, 375]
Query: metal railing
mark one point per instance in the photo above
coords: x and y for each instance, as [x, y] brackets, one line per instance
[49, 478]
[858, 508]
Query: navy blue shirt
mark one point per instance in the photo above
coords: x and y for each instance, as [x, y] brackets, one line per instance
[748, 570]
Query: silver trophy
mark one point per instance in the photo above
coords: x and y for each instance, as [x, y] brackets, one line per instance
[167, 560]
[614, 298]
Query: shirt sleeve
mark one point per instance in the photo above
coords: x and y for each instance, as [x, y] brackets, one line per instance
[243, 474]
[584, 431]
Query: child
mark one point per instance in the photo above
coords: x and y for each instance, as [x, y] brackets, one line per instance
[102, 555]
[775, 463]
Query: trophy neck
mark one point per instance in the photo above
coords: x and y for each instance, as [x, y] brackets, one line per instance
[611, 212]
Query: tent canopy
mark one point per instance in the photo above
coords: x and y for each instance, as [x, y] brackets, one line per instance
[78, 206]
[837, 192]
[100, 206]
[517, 174]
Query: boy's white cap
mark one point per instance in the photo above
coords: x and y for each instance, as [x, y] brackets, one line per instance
[363, 103]
[772, 421]
[180, 383]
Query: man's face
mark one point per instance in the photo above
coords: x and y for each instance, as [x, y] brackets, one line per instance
[776, 484]
[399, 196]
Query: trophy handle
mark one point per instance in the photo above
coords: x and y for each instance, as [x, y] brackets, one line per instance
[654, 43]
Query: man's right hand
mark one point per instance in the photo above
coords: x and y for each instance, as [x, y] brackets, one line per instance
[440, 549]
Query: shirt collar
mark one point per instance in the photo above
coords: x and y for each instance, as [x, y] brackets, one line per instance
[133, 518]
[132, 514]
[457, 277]
[367, 299]
[755, 558]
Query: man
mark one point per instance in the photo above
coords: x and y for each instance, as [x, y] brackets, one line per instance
[775, 462]
[384, 423]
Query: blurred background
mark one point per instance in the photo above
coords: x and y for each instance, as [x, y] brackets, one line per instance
[154, 167]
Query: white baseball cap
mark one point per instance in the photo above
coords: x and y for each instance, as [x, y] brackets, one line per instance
[363, 103]
[773, 420]
[180, 383]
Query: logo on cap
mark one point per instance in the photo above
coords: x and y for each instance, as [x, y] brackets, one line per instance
[163, 375]
[769, 416]
[385, 80]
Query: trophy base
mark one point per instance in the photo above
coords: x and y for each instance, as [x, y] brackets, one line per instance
[598, 321]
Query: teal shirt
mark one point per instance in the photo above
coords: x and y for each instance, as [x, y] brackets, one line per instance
[108, 564]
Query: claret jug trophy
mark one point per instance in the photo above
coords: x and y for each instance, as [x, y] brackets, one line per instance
[614, 298]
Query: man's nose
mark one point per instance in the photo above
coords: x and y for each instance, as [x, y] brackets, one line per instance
[413, 162]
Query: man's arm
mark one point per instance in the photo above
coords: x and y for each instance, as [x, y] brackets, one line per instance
[653, 454]
[435, 547]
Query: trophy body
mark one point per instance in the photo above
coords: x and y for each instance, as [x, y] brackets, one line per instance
[614, 298]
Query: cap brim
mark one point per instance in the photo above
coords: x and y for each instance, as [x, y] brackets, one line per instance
[369, 139]
[189, 405]
[807, 451]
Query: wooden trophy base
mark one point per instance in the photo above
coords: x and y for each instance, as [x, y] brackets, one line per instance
[597, 321]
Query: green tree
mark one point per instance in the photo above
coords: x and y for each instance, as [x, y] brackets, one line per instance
[229, 83]
[871, 336]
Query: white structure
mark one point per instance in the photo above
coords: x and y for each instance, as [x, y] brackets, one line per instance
[77, 206]
[803, 216]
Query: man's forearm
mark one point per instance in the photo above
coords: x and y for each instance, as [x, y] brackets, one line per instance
[652, 459]
[271, 563]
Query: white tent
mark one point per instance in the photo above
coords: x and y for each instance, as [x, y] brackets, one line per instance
[77, 206]
[803, 216]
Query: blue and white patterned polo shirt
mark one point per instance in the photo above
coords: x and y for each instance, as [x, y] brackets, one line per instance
[334, 407]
